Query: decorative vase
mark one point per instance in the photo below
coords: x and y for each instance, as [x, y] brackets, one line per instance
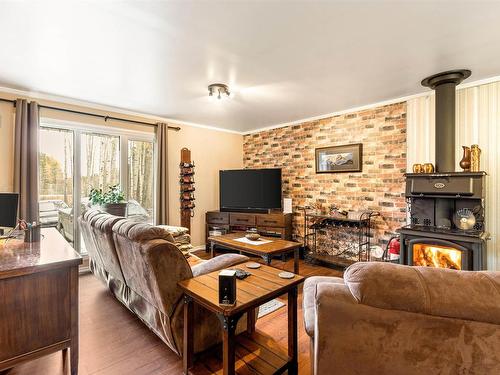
[475, 156]
[418, 168]
[116, 209]
[465, 163]
[428, 168]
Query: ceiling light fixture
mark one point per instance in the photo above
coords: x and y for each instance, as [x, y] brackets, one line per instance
[219, 90]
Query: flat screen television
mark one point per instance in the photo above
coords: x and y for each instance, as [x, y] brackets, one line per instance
[252, 190]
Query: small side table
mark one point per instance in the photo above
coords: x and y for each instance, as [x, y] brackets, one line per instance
[262, 286]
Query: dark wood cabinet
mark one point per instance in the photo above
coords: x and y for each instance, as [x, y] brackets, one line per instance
[38, 299]
[216, 217]
[272, 224]
[242, 219]
[271, 220]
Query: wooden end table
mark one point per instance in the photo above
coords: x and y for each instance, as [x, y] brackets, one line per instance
[262, 286]
[277, 246]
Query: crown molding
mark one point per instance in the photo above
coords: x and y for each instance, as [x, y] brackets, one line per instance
[101, 107]
[479, 82]
[370, 106]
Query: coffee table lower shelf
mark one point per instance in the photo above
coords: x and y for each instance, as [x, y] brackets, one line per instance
[330, 259]
[255, 353]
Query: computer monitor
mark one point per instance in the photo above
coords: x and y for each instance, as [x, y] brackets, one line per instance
[8, 209]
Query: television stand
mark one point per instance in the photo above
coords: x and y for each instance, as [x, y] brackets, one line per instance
[275, 224]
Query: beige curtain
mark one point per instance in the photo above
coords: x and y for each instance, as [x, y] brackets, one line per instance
[26, 159]
[478, 121]
[161, 207]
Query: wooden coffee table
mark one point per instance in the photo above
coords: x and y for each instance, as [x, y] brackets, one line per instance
[257, 353]
[277, 246]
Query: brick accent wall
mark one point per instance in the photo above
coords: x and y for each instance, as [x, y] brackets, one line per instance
[379, 187]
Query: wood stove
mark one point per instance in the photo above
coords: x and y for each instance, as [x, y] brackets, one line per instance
[432, 238]
[438, 201]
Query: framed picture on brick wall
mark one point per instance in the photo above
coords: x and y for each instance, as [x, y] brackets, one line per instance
[337, 159]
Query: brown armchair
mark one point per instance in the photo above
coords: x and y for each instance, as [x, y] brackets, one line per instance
[390, 319]
[149, 267]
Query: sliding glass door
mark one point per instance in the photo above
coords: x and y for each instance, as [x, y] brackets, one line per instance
[73, 160]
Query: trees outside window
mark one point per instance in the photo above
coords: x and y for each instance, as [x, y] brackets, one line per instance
[141, 171]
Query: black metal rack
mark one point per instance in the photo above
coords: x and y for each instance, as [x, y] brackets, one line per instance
[338, 240]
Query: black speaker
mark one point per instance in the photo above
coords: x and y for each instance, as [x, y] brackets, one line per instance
[227, 287]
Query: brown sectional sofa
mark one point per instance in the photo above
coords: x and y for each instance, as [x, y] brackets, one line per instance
[141, 266]
[384, 318]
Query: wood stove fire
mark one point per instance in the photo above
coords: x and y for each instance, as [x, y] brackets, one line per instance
[438, 253]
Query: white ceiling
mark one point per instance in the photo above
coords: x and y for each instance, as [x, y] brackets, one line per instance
[284, 60]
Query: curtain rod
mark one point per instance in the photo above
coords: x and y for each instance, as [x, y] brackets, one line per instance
[104, 117]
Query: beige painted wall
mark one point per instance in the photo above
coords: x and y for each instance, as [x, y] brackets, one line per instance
[211, 150]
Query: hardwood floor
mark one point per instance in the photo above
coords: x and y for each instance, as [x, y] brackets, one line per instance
[113, 341]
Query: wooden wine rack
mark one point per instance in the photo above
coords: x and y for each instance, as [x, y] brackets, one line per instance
[187, 188]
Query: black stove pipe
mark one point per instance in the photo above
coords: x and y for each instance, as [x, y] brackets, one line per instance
[445, 85]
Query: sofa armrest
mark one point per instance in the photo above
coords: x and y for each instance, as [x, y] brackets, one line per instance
[309, 299]
[427, 290]
[218, 263]
[330, 298]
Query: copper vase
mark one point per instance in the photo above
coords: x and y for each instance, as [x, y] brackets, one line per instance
[465, 163]
[475, 156]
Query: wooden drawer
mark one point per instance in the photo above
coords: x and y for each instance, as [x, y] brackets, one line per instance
[217, 217]
[271, 220]
[242, 219]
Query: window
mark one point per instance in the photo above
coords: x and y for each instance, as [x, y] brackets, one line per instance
[75, 158]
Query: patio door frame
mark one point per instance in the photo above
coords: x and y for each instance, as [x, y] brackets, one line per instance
[125, 135]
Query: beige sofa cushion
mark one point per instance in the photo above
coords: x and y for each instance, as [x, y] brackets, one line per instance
[144, 232]
[433, 291]
[173, 230]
